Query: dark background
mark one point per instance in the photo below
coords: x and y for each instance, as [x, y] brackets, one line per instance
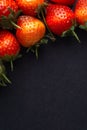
[49, 93]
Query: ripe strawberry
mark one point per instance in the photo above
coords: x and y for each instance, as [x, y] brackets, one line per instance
[59, 18]
[81, 11]
[32, 30]
[64, 2]
[5, 4]
[9, 46]
[29, 7]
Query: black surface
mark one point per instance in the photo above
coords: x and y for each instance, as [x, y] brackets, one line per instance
[48, 94]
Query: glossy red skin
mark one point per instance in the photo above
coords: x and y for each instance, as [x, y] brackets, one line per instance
[64, 2]
[29, 7]
[9, 46]
[32, 30]
[5, 4]
[59, 18]
[81, 11]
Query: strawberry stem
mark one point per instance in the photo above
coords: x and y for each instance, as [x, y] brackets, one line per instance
[6, 79]
[75, 35]
[3, 78]
[2, 84]
[71, 32]
[36, 53]
[84, 27]
[42, 10]
[15, 25]
[11, 63]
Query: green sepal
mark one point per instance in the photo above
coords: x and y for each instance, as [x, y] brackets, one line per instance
[34, 49]
[41, 7]
[71, 32]
[11, 59]
[41, 12]
[9, 22]
[3, 78]
[84, 27]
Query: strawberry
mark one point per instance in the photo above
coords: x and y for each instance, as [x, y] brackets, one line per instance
[81, 11]
[9, 46]
[59, 18]
[29, 7]
[64, 2]
[32, 30]
[8, 14]
[5, 5]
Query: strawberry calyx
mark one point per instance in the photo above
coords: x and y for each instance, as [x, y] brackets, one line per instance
[41, 12]
[35, 48]
[3, 78]
[41, 7]
[84, 26]
[11, 59]
[71, 31]
[9, 22]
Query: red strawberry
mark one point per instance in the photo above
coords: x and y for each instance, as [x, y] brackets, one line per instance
[64, 2]
[59, 18]
[81, 11]
[29, 7]
[9, 46]
[32, 30]
[5, 4]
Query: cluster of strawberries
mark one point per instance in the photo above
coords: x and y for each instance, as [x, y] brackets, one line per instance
[26, 23]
